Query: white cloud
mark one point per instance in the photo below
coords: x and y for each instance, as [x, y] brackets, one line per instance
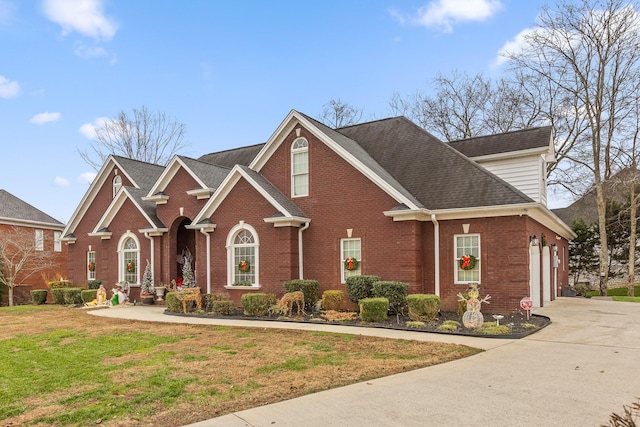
[42, 118]
[84, 51]
[89, 129]
[443, 14]
[8, 88]
[61, 182]
[86, 178]
[82, 16]
[515, 45]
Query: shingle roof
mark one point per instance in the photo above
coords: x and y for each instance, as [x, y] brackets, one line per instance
[229, 158]
[148, 207]
[436, 174]
[524, 139]
[277, 195]
[143, 174]
[12, 207]
[212, 175]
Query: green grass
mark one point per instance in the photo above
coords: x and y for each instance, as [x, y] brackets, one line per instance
[614, 292]
[627, 299]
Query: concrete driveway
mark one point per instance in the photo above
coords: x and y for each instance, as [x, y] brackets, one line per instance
[575, 372]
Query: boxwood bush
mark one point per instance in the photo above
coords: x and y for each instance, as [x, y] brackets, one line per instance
[209, 299]
[58, 295]
[94, 284]
[59, 284]
[172, 303]
[423, 307]
[257, 304]
[310, 289]
[332, 299]
[374, 309]
[39, 296]
[72, 296]
[223, 308]
[395, 292]
[88, 295]
[360, 287]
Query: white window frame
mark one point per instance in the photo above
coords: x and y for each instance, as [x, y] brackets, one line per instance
[300, 147]
[124, 255]
[117, 184]
[39, 242]
[346, 252]
[233, 261]
[57, 241]
[468, 276]
[91, 257]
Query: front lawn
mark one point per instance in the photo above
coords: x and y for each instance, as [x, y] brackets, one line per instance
[61, 366]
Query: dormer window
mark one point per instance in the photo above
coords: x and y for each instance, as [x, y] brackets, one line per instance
[117, 184]
[300, 168]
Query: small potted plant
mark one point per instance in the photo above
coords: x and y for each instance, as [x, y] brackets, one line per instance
[147, 290]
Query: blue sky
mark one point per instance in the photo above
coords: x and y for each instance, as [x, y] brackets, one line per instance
[229, 70]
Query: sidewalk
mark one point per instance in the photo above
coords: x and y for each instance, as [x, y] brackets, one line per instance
[575, 372]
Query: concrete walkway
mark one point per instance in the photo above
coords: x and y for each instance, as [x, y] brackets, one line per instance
[575, 372]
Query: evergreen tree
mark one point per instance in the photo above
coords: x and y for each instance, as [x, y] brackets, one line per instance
[187, 276]
[147, 281]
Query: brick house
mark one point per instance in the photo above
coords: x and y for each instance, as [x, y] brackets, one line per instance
[402, 203]
[43, 231]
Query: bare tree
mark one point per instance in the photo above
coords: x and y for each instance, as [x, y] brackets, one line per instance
[337, 114]
[590, 50]
[21, 259]
[147, 136]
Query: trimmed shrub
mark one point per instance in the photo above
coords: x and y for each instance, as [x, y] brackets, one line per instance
[257, 304]
[172, 303]
[360, 287]
[223, 308]
[209, 299]
[94, 284]
[395, 292]
[58, 295]
[374, 309]
[462, 304]
[310, 289]
[59, 284]
[88, 295]
[39, 296]
[332, 299]
[72, 296]
[423, 307]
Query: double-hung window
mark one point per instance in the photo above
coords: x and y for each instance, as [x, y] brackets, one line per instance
[91, 265]
[467, 258]
[350, 258]
[300, 168]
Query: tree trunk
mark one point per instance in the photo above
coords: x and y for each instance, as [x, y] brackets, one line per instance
[632, 241]
[602, 223]
[10, 295]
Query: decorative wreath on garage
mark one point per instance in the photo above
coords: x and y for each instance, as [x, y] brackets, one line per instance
[244, 266]
[351, 263]
[92, 266]
[131, 267]
[467, 262]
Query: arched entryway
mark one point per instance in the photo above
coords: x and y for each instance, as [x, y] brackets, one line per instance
[184, 247]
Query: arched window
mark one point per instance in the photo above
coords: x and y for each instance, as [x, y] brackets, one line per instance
[300, 168]
[117, 184]
[242, 255]
[129, 259]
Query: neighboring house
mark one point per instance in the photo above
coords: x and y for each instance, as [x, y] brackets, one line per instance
[402, 203]
[47, 236]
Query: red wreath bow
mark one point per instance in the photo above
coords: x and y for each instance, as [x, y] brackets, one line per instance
[466, 262]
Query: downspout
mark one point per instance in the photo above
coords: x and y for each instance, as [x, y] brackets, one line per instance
[208, 245]
[153, 256]
[436, 253]
[300, 254]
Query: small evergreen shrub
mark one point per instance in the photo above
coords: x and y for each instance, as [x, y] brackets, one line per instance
[449, 326]
[72, 296]
[332, 299]
[395, 292]
[257, 304]
[58, 295]
[59, 284]
[415, 325]
[223, 308]
[209, 299]
[39, 296]
[172, 303]
[374, 309]
[462, 304]
[360, 287]
[88, 295]
[310, 289]
[94, 284]
[423, 307]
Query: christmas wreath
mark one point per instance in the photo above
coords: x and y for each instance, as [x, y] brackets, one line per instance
[467, 262]
[244, 266]
[131, 267]
[92, 266]
[351, 264]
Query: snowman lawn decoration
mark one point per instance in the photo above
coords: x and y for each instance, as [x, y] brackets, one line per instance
[472, 317]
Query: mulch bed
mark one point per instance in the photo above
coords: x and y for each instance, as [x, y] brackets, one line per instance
[520, 325]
